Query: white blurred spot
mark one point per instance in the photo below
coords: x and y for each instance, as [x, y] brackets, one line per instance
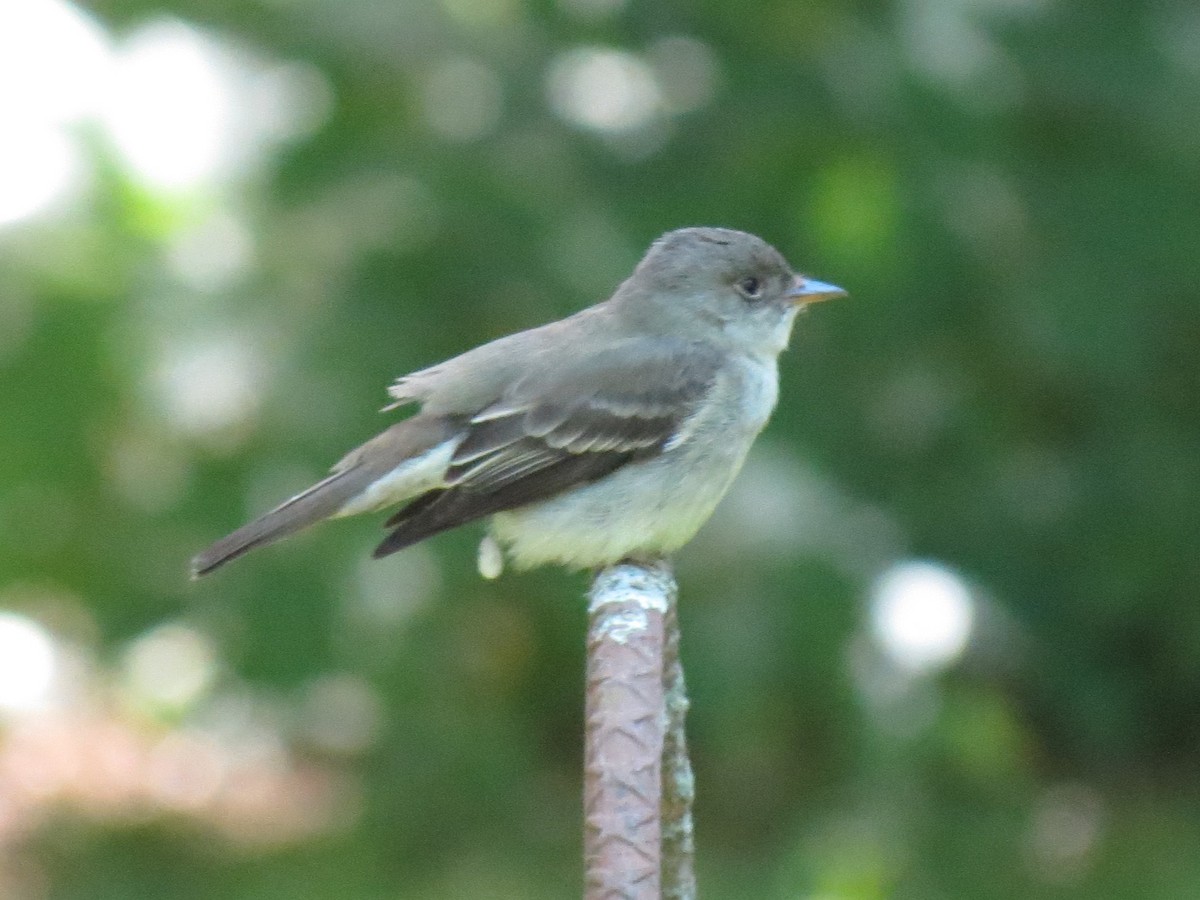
[181, 108]
[985, 206]
[172, 666]
[389, 593]
[374, 210]
[1067, 824]
[951, 41]
[38, 166]
[687, 72]
[53, 65]
[53, 62]
[213, 254]
[288, 101]
[187, 110]
[248, 727]
[171, 110]
[341, 714]
[28, 664]
[921, 615]
[462, 99]
[210, 386]
[604, 89]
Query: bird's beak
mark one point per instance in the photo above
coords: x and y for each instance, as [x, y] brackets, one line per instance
[809, 290]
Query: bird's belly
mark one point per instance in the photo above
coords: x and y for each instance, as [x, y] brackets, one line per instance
[640, 510]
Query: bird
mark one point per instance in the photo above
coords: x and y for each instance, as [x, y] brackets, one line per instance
[604, 437]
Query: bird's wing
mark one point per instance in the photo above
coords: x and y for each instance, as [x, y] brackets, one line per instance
[561, 426]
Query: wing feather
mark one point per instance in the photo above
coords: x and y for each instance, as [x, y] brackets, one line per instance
[558, 428]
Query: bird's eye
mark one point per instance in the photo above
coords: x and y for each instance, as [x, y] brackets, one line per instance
[750, 288]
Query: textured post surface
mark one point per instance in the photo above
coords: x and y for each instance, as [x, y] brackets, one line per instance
[624, 732]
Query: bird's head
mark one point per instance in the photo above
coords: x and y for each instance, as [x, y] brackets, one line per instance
[721, 285]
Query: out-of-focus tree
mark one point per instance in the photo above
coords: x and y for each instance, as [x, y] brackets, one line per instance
[941, 636]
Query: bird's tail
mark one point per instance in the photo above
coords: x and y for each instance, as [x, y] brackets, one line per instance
[318, 502]
[401, 454]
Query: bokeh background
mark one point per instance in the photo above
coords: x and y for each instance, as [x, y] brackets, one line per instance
[943, 638]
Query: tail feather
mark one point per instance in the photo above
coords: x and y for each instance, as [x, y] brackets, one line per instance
[406, 442]
[308, 507]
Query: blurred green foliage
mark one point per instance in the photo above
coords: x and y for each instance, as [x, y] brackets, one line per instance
[1011, 193]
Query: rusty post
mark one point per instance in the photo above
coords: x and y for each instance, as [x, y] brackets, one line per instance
[625, 722]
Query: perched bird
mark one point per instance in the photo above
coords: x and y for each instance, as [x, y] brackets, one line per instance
[608, 435]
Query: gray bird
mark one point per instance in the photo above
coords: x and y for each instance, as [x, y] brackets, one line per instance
[608, 435]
